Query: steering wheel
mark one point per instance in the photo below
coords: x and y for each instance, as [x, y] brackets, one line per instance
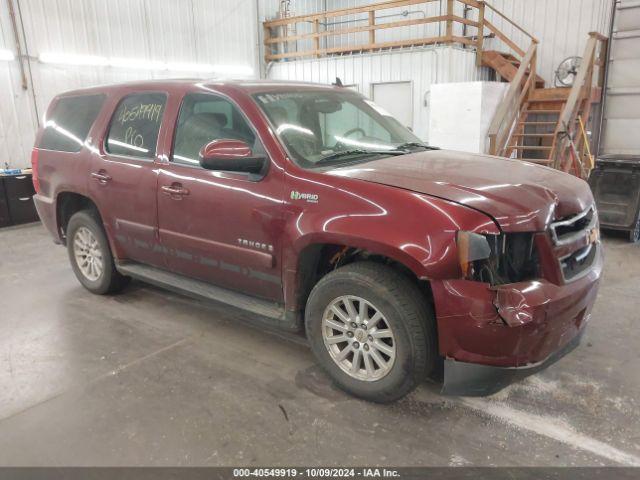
[354, 130]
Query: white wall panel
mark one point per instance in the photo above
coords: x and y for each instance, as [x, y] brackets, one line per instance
[461, 113]
[17, 114]
[421, 66]
[218, 32]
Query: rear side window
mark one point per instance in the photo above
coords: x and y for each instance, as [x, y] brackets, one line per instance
[135, 125]
[67, 127]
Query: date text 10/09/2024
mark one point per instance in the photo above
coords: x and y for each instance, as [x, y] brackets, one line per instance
[316, 473]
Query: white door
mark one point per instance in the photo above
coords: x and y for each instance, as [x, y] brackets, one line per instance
[397, 99]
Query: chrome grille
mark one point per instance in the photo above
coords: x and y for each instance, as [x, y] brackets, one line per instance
[581, 228]
[574, 228]
[577, 264]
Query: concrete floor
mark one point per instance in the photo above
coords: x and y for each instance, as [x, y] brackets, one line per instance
[151, 378]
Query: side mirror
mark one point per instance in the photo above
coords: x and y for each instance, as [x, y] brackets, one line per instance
[230, 156]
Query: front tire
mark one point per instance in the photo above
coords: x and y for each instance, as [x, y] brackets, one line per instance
[90, 255]
[372, 330]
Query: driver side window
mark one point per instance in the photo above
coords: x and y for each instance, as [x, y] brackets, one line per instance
[204, 118]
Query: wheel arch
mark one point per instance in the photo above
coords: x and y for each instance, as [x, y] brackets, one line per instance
[315, 259]
[67, 204]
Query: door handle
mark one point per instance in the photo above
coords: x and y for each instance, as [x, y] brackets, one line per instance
[101, 176]
[175, 190]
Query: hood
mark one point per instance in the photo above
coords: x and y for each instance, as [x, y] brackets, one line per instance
[520, 196]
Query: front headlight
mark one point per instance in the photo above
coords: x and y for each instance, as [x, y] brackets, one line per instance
[471, 248]
[497, 259]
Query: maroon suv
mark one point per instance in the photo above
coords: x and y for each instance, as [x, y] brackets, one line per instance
[309, 205]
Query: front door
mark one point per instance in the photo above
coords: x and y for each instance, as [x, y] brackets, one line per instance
[124, 175]
[221, 227]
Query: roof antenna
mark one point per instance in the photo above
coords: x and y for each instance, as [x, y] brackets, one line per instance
[337, 83]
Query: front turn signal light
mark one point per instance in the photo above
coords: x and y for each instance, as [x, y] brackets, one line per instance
[471, 247]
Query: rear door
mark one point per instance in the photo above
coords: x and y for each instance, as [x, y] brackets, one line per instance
[123, 176]
[225, 227]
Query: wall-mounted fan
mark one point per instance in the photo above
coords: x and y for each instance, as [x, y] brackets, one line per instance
[567, 71]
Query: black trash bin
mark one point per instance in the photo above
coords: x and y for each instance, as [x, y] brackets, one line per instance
[615, 182]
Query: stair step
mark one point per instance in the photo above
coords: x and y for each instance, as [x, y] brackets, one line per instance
[542, 111]
[530, 147]
[508, 56]
[533, 134]
[546, 100]
[537, 123]
[556, 94]
[505, 65]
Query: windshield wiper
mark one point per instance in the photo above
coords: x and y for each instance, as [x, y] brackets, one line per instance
[356, 151]
[404, 146]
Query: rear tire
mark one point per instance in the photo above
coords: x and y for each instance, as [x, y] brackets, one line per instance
[90, 255]
[366, 309]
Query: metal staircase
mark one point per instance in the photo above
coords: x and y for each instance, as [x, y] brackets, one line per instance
[506, 65]
[546, 125]
[532, 138]
[532, 123]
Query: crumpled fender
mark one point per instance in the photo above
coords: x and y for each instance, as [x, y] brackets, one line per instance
[519, 303]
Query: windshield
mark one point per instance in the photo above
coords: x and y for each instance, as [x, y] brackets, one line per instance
[333, 127]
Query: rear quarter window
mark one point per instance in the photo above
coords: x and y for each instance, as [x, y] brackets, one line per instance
[68, 125]
[135, 125]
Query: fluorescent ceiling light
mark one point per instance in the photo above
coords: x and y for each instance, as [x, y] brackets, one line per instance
[6, 55]
[136, 64]
[139, 64]
[67, 59]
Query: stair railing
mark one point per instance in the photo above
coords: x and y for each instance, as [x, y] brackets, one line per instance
[324, 33]
[485, 7]
[312, 35]
[579, 105]
[520, 89]
[504, 123]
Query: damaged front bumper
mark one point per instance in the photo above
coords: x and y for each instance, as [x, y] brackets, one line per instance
[491, 336]
[475, 380]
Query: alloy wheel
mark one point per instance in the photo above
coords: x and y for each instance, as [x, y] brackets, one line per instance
[88, 254]
[358, 338]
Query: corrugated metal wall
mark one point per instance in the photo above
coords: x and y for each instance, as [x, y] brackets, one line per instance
[422, 67]
[17, 117]
[220, 32]
[561, 26]
[225, 32]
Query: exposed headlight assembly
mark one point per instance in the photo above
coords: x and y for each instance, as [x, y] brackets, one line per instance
[497, 259]
[471, 248]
